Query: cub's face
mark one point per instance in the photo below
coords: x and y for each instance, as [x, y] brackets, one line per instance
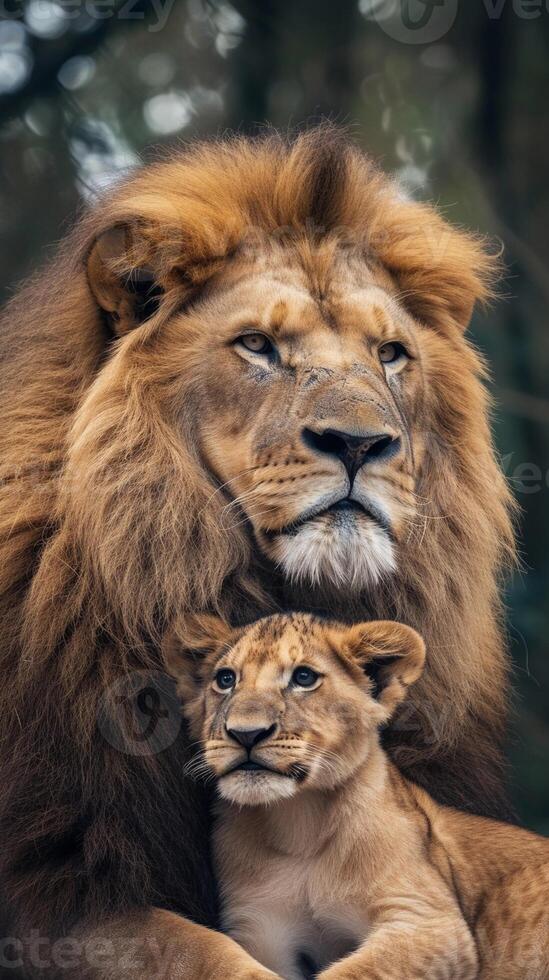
[310, 412]
[292, 702]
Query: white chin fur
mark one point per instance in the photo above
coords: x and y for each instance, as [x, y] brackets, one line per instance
[357, 553]
[254, 789]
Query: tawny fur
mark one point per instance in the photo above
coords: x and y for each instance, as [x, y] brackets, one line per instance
[113, 524]
[328, 855]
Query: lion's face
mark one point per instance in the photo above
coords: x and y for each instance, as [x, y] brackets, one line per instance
[292, 702]
[312, 385]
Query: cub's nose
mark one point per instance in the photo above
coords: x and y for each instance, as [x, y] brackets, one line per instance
[354, 450]
[248, 737]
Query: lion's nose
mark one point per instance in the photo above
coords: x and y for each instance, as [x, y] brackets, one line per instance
[354, 450]
[248, 737]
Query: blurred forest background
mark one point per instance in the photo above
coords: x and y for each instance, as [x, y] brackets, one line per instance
[457, 107]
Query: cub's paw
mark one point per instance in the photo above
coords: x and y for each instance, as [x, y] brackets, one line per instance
[346, 971]
[257, 973]
[245, 967]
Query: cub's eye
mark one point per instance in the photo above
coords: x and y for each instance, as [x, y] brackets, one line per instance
[256, 343]
[304, 677]
[391, 353]
[225, 679]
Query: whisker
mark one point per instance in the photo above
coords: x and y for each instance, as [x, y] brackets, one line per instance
[197, 769]
[233, 479]
[247, 517]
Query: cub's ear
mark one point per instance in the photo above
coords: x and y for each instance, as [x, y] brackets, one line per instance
[390, 654]
[121, 277]
[188, 646]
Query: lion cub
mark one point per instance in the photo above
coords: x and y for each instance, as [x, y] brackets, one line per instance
[329, 860]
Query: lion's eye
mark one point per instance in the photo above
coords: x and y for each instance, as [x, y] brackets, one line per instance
[225, 679]
[256, 343]
[304, 677]
[391, 353]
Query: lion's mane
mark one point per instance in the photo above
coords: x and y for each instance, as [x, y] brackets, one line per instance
[110, 524]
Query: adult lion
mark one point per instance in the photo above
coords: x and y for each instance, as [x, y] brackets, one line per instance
[242, 384]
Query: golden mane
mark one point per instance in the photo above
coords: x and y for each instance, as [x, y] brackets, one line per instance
[110, 525]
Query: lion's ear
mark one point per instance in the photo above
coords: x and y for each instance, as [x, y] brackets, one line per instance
[190, 644]
[391, 654]
[442, 271]
[122, 278]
